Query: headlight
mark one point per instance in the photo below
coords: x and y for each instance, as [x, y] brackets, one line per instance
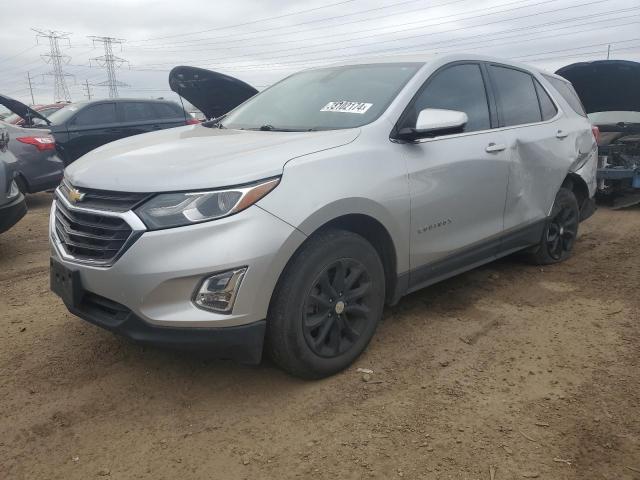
[177, 209]
[14, 191]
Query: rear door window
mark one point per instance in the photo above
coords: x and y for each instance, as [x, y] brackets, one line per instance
[164, 110]
[137, 111]
[96, 115]
[568, 93]
[517, 96]
[547, 107]
[459, 87]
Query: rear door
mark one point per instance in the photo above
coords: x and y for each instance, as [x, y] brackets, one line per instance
[457, 182]
[540, 148]
[93, 126]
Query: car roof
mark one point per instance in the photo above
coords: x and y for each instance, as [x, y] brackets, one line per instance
[425, 59]
[119, 100]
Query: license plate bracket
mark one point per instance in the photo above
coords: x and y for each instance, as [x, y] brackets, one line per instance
[65, 282]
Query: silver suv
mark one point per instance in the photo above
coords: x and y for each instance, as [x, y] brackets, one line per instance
[290, 222]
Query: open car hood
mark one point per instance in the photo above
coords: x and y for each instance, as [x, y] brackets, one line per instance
[21, 109]
[605, 85]
[213, 93]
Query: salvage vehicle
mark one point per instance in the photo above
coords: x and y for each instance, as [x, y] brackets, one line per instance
[290, 221]
[610, 93]
[12, 204]
[38, 167]
[80, 127]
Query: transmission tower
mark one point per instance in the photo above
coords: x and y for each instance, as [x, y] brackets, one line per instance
[110, 62]
[56, 59]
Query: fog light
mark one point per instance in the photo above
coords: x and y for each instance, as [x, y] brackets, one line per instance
[218, 292]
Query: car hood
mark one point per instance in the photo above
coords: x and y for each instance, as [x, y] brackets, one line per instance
[21, 109]
[213, 93]
[196, 157]
[605, 85]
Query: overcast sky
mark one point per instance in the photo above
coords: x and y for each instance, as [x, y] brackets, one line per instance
[261, 41]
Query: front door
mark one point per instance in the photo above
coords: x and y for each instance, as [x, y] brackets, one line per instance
[457, 182]
[93, 126]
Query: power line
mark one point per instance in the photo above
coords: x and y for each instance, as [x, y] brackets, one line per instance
[245, 23]
[56, 59]
[235, 38]
[342, 48]
[110, 62]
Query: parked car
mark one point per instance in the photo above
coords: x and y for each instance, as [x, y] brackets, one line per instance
[43, 110]
[292, 220]
[611, 97]
[80, 127]
[12, 204]
[38, 166]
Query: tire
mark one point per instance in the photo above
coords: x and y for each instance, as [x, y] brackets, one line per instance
[313, 328]
[560, 231]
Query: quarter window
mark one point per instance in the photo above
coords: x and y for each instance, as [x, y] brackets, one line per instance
[568, 93]
[547, 107]
[517, 96]
[96, 115]
[459, 87]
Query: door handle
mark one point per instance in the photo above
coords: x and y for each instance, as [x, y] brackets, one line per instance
[492, 147]
[156, 127]
[561, 134]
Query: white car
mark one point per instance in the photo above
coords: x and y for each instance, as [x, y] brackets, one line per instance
[290, 222]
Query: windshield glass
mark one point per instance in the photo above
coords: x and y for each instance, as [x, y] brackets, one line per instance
[602, 118]
[324, 99]
[62, 115]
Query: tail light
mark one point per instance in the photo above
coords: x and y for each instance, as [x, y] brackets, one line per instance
[46, 142]
[192, 121]
[596, 133]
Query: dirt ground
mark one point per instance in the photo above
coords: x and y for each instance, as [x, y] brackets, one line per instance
[509, 370]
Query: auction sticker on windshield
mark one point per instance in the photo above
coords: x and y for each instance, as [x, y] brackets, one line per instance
[346, 107]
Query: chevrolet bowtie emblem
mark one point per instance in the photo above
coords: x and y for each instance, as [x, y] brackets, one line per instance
[75, 195]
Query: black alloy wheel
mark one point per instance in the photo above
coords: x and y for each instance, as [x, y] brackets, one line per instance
[336, 309]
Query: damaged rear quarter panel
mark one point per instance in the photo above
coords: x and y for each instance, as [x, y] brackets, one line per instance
[540, 161]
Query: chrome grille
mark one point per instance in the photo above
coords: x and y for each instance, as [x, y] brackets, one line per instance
[105, 199]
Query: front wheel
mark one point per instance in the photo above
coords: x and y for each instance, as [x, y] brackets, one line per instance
[327, 305]
[560, 232]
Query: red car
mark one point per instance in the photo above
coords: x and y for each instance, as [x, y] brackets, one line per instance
[44, 110]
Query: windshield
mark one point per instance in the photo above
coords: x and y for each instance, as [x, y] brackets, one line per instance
[609, 118]
[63, 114]
[324, 99]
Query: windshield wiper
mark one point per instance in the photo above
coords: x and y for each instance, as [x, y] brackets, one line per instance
[270, 128]
[214, 122]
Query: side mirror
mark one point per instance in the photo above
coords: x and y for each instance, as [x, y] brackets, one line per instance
[433, 122]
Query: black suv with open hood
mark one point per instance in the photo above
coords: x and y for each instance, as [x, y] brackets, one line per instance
[610, 93]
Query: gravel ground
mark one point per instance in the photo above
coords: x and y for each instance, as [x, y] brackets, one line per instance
[509, 370]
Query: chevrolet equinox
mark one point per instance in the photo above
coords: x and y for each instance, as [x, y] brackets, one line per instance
[288, 223]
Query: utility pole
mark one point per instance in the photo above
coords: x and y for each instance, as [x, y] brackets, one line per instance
[110, 62]
[87, 89]
[56, 59]
[608, 51]
[33, 102]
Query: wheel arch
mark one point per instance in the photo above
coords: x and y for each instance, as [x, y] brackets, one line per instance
[578, 186]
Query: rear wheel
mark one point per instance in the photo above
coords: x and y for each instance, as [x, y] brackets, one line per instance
[560, 232]
[327, 305]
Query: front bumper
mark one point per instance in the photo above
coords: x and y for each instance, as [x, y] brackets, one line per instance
[11, 213]
[242, 343]
[156, 277]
